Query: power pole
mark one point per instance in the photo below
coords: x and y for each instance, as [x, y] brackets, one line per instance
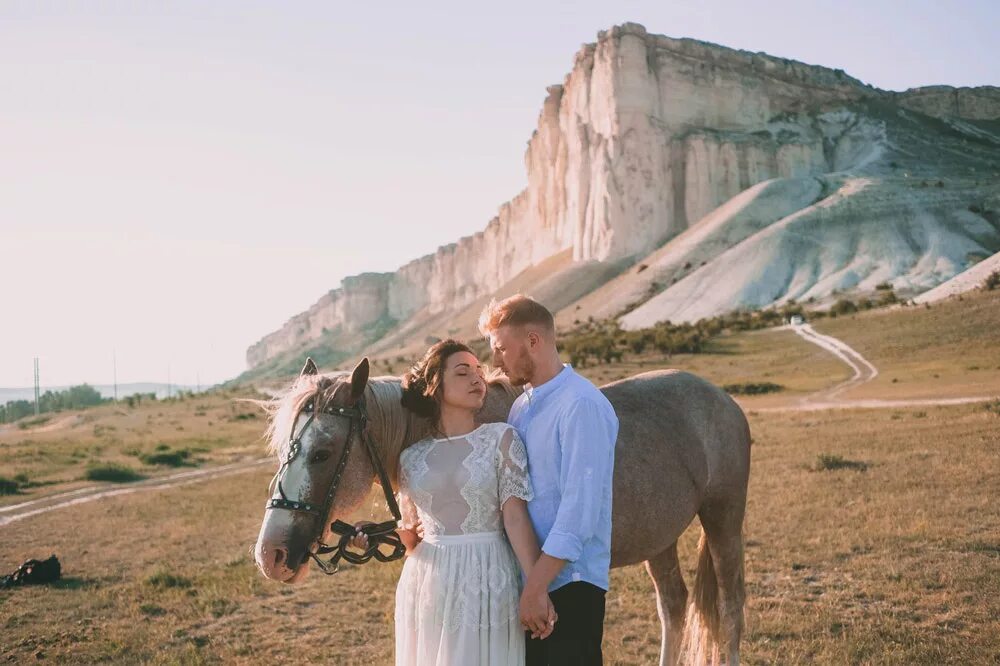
[114, 366]
[36, 386]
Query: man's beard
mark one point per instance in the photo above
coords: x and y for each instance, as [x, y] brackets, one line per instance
[525, 368]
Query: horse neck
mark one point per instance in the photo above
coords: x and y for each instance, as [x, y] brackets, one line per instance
[393, 428]
[500, 395]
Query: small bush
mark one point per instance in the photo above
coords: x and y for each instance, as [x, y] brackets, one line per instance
[165, 579]
[31, 423]
[112, 472]
[177, 458]
[993, 407]
[992, 281]
[752, 389]
[883, 286]
[9, 486]
[843, 306]
[826, 462]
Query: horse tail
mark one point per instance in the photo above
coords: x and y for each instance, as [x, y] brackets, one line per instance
[702, 627]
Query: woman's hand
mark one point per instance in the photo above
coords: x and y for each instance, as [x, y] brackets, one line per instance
[360, 540]
[410, 534]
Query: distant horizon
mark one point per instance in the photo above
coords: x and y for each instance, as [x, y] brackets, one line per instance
[179, 181]
[11, 393]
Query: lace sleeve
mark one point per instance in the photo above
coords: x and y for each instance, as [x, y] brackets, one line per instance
[512, 468]
[407, 509]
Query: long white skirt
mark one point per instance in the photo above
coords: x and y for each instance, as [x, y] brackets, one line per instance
[457, 603]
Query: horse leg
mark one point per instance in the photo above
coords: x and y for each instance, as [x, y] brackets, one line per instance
[724, 535]
[671, 601]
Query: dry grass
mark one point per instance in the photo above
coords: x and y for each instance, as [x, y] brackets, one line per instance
[873, 536]
[205, 430]
[894, 564]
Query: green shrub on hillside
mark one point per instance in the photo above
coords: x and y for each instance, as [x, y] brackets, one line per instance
[9, 486]
[167, 457]
[112, 472]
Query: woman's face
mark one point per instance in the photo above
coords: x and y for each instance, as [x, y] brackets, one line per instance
[463, 384]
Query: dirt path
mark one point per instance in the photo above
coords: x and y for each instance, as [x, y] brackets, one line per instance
[15, 512]
[864, 372]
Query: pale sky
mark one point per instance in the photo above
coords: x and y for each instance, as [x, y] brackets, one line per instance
[178, 179]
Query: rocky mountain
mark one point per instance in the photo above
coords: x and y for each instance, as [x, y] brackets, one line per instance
[676, 179]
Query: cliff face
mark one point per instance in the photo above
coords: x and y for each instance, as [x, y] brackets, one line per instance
[646, 136]
[981, 103]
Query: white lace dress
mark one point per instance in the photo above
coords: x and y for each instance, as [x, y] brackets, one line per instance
[457, 598]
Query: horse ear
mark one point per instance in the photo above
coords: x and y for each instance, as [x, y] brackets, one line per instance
[309, 368]
[359, 378]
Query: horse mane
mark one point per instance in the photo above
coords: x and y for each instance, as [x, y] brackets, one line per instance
[392, 425]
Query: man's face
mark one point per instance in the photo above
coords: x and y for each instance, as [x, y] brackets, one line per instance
[511, 347]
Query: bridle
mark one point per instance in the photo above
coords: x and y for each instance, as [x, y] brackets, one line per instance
[377, 533]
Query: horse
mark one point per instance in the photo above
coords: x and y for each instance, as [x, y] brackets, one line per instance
[683, 450]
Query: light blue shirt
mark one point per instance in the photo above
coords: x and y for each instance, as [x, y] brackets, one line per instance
[569, 429]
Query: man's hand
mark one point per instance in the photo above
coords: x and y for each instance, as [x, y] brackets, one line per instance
[538, 615]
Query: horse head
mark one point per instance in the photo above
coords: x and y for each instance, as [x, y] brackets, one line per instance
[312, 427]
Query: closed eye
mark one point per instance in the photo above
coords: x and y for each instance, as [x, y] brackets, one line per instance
[319, 456]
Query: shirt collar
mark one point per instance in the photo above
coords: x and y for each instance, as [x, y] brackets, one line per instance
[537, 392]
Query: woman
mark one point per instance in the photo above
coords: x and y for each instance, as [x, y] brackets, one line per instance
[465, 485]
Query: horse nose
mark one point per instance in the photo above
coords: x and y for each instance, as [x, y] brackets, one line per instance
[273, 561]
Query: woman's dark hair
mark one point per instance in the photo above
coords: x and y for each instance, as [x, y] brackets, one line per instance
[422, 383]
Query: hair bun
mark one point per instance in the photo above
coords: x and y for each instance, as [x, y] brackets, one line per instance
[415, 396]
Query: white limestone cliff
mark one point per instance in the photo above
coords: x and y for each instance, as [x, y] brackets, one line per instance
[646, 136]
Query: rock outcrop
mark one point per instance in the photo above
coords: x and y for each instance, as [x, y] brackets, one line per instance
[646, 137]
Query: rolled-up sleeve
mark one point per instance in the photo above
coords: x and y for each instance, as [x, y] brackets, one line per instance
[587, 440]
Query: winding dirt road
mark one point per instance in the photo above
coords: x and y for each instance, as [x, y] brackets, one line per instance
[864, 372]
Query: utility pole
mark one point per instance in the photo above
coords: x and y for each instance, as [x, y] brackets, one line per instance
[36, 386]
[168, 380]
[114, 366]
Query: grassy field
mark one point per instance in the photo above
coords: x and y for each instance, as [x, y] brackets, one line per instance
[950, 348]
[150, 439]
[897, 563]
[873, 536]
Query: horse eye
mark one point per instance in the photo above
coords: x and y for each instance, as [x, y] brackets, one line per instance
[319, 456]
[308, 407]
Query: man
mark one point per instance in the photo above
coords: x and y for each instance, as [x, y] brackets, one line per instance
[569, 429]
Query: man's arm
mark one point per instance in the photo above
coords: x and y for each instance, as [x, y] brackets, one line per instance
[587, 440]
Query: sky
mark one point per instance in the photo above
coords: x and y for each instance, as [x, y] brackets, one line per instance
[177, 179]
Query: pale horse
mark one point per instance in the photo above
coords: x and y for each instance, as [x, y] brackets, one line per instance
[683, 450]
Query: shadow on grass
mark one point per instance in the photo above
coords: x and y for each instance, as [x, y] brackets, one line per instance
[74, 583]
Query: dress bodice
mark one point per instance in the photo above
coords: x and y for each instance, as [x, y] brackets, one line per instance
[458, 485]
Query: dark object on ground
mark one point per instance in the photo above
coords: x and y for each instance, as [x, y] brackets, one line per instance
[34, 572]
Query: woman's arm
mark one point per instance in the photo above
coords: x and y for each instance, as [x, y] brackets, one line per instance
[520, 533]
[408, 531]
[523, 540]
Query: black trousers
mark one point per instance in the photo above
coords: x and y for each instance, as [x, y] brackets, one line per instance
[576, 640]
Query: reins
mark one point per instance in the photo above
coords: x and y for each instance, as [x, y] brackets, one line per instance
[377, 533]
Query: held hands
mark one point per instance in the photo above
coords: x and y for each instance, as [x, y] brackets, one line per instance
[538, 615]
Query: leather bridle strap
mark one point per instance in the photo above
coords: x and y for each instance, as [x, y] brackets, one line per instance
[377, 533]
